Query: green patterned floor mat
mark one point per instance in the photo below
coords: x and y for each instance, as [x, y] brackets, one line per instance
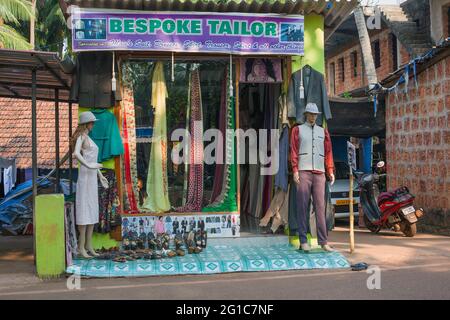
[221, 255]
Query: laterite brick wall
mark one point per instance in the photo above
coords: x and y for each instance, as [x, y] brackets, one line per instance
[418, 144]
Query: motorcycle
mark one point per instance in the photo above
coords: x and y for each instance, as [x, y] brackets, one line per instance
[390, 210]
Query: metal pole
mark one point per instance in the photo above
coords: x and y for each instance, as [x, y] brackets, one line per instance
[34, 152]
[352, 218]
[57, 187]
[70, 148]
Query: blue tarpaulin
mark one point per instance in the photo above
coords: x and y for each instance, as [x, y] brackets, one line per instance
[16, 210]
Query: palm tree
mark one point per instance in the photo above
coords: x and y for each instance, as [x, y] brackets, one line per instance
[364, 39]
[51, 27]
[12, 13]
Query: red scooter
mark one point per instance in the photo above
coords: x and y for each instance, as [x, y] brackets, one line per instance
[394, 210]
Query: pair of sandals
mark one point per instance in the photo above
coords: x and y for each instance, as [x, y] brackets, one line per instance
[195, 250]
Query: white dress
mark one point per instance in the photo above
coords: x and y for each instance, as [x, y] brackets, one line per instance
[87, 211]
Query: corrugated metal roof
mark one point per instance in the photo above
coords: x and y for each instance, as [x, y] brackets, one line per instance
[334, 11]
[15, 74]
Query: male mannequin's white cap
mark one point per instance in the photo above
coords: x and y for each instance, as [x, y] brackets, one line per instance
[86, 117]
[311, 107]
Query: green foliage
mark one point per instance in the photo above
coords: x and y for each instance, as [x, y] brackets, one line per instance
[51, 27]
[11, 39]
[12, 13]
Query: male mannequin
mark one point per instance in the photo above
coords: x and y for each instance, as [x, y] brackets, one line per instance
[311, 158]
[87, 208]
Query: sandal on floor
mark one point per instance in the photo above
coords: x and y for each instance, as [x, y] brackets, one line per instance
[171, 254]
[197, 250]
[359, 266]
[120, 259]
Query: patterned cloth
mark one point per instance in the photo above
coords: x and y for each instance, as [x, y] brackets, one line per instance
[108, 200]
[195, 184]
[71, 234]
[221, 255]
[226, 201]
[129, 159]
[219, 170]
[157, 182]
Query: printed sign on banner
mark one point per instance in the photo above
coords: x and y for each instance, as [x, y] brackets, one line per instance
[225, 225]
[237, 33]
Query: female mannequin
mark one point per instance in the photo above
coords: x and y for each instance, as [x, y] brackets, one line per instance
[87, 209]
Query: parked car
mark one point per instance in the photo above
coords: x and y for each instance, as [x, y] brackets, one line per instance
[340, 197]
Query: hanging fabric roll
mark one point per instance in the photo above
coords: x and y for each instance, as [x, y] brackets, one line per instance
[186, 165]
[195, 184]
[226, 201]
[129, 139]
[157, 183]
[219, 170]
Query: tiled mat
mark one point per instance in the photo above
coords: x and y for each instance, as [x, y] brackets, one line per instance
[221, 255]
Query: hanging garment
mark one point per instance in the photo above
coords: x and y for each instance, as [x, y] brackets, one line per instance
[226, 201]
[108, 202]
[219, 170]
[314, 91]
[195, 185]
[282, 111]
[281, 177]
[92, 80]
[106, 135]
[7, 179]
[329, 212]
[6, 163]
[129, 159]
[157, 183]
[87, 207]
[186, 164]
[70, 230]
[278, 210]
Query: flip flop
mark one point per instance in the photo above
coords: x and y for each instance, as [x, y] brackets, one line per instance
[359, 266]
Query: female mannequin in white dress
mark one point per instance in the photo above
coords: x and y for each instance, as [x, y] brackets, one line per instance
[87, 208]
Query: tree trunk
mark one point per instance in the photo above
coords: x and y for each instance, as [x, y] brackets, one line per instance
[32, 24]
[366, 48]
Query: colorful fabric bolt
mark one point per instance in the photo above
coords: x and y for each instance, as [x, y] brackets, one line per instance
[157, 182]
[130, 155]
[195, 186]
[226, 202]
[219, 170]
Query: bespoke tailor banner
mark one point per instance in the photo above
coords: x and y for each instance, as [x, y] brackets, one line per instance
[94, 30]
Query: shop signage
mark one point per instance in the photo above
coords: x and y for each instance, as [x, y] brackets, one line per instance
[94, 30]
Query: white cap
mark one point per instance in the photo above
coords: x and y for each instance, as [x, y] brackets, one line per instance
[312, 108]
[86, 117]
